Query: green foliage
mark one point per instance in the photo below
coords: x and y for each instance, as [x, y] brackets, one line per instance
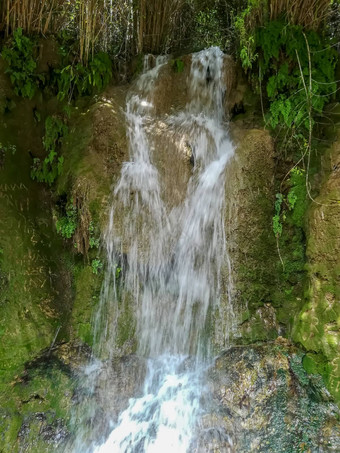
[281, 47]
[246, 38]
[67, 225]
[118, 272]
[208, 31]
[291, 207]
[277, 224]
[48, 169]
[96, 265]
[19, 56]
[94, 240]
[11, 149]
[78, 80]
[297, 196]
[178, 65]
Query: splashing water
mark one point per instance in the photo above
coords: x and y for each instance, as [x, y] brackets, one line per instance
[174, 257]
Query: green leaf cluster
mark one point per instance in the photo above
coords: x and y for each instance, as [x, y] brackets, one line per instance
[21, 64]
[10, 148]
[247, 48]
[297, 197]
[48, 169]
[96, 265]
[78, 80]
[94, 240]
[67, 225]
[277, 224]
[280, 48]
[178, 65]
[208, 31]
[291, 207]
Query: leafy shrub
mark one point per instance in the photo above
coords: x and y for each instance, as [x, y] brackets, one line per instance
[96, 265]
[178, 65]
[208, 29]
[280, 45]
[12, 149]
[78, 80]
[94, 240]
[48, 169]
[282, 50]
[67, 225]
[19, 56]
[246, 39]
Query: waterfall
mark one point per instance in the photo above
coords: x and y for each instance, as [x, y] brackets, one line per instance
[170, 258]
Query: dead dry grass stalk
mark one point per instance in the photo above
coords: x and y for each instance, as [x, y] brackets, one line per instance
[156, 23]
[310, 14]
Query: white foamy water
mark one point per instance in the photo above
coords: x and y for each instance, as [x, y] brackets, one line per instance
[173, 259]
[163, 418]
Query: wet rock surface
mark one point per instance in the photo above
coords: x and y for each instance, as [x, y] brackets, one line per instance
[114, 382]
[264, 401]
[317, 325]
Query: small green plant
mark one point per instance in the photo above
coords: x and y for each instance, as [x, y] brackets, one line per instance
[78, 80]
[94, 241]
[178, 65]
[96, 265]
[297, 196]
[67, 225]
[37, 116]
[19, 56]
[291, 207]
[5, 150]
[9, 149]
[246, 36]
[48, 169]
[208, 31]
[277, 221]
[118, 272]
[295, 64]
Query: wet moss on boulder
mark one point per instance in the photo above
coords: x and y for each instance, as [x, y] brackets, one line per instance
[317, 325]
[263, 400]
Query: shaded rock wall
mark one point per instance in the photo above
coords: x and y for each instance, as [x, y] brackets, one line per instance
[317, 326]
[48, 292]
[35, 285]
[250, 242]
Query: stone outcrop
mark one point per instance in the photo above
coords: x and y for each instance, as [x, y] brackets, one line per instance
[47, 294]
[250, 241]
[317, 326]
[263, 400]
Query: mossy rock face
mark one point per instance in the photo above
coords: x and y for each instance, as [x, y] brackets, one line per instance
[317, 326]
[35, 285]
[263, 400]
[116, 381]
[249, 238]
[47, 295]
[36, 406]
[93, 152]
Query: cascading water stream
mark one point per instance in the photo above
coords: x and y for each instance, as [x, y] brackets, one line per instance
[173, 259]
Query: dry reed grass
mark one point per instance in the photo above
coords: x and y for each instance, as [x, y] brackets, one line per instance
[156, 23]
[310, 14]
[136, 25]
[142, 26]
